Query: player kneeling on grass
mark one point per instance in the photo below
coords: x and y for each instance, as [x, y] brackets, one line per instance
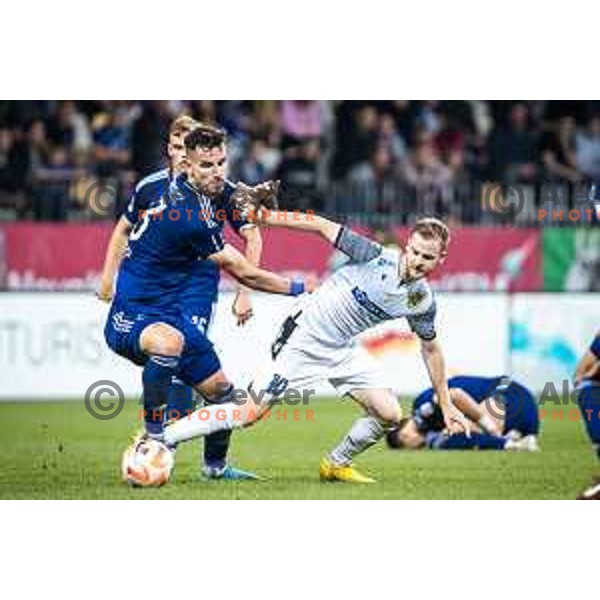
[587, 381]
[317, 340]
[503, 414]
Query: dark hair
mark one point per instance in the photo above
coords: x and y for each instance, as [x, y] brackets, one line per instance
[391, 437]
[205, 136]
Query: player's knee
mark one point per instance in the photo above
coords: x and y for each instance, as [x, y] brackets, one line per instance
[389, 414]
[173, 345]
[162, 339]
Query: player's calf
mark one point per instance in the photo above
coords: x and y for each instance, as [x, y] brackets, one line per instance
[383, 412]
[163, 345]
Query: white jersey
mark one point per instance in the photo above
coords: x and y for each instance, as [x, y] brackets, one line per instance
[316, 342]
[361, 295]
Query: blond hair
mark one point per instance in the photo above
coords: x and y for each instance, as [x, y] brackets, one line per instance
[432, 228]
[182, 125]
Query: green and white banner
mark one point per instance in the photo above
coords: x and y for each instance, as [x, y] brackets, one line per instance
[571, 259]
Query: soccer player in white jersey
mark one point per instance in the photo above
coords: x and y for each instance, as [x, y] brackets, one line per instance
[317, 341]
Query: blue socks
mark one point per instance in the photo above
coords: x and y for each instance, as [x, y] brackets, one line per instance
[216, 445]
[181, 400]
[479, 441]
[157, 375]
[588, 398]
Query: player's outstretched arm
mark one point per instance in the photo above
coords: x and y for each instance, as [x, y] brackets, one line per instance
[299, 221]
[357, 247]
[436, 367]
[114, 255]
[238, 266]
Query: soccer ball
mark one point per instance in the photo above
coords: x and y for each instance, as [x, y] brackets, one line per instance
[147, 463]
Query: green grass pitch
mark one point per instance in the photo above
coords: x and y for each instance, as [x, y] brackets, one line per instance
[57, 450]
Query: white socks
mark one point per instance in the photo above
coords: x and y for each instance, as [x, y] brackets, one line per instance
[364, 433]
[203, 422]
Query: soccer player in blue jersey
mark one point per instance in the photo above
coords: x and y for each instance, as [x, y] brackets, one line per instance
[503, 413]
[147, 322]
[199, 299]
[587, 382]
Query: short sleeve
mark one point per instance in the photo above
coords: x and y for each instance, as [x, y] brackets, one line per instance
[595, 347]
[132, 210]
[427, 413]
[424, 324]
[358, 248]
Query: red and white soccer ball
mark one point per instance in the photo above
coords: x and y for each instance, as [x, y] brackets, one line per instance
[148, 463]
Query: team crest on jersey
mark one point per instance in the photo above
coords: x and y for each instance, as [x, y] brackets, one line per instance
[415, 298]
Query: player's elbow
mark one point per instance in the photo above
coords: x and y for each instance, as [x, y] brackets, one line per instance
[326, 228]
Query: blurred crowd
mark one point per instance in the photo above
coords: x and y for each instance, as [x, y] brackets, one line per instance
[384, 160]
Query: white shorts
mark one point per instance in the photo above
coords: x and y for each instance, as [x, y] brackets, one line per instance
[304, 362]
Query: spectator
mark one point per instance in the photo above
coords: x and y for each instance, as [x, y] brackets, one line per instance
[112, 142]
[429, 117]
[513, 149]
[300, 120]
[39, 146]
[69, 128]
[50, 186]
[362, 139]
[148, 136]
[559, 152]
[429, 179]
[450, 140]
[390, 138]
[258, 164]
[299, 174]
[264, 122]
[587, 149]
[438, 150]
[374, 184]
[205, 111]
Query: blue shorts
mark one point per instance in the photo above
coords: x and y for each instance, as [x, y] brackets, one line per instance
[521, 410]
[126, 322]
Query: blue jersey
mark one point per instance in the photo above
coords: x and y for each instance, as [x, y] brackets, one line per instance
[520, 406]
[594, 379]
[595, 347]
[175, 229]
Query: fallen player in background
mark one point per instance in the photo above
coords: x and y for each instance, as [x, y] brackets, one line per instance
[503, 413]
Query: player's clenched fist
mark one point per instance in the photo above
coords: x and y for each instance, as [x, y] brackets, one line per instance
[249, 199]
[105, 292]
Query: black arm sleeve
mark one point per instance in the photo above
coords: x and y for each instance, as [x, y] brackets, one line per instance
[424, 324]
[358, 247]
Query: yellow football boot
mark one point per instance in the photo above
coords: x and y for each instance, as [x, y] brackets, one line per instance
[347, 473]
